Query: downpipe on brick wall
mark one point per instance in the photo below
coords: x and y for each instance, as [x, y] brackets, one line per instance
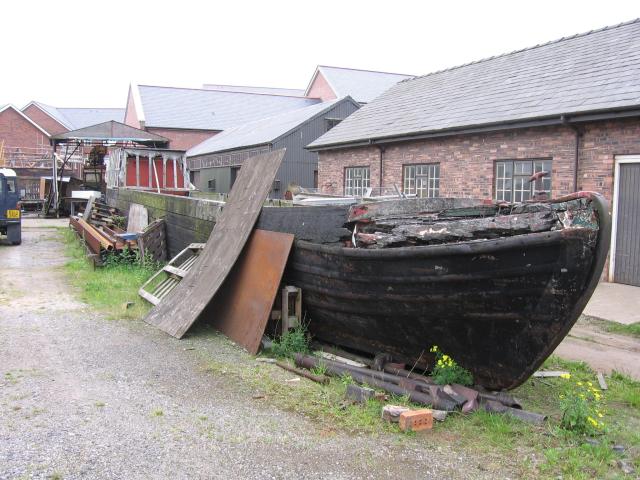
[382, 150]
[576, 159]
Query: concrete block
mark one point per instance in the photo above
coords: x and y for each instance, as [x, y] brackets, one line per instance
[391, 413]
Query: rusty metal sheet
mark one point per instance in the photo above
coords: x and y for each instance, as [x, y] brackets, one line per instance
[242, 307]
[182, 307]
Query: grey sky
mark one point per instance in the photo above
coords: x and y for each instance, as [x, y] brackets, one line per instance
[85, 53]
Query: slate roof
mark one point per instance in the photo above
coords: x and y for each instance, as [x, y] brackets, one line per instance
[171, 107]
[262, 131]
[362, 85]
[290, 92]
[74, 118]
[591, 72]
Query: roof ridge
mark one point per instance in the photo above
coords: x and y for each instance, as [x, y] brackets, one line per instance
[90, 108]
[539, 45]
[366, 70]
[247, 86]
[223, 91]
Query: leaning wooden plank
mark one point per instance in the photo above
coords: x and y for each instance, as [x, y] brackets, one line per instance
[185, 303]
[138, 218]
[88, 207]
[242, 307]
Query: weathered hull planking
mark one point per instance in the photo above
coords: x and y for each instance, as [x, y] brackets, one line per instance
[499, 307]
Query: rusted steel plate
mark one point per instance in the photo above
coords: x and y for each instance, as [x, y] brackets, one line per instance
[242, 307]
[180, 309]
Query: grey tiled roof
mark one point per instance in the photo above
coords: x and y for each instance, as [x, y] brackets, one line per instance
[261, 131]
[596, 71]
[362, 85]
[292, 92]
[211, 109]
[112, 130]
[74, 118]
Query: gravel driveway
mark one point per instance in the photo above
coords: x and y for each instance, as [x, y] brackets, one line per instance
[86, 397]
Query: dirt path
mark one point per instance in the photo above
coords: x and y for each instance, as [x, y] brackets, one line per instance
[85, 397]
[603, 351]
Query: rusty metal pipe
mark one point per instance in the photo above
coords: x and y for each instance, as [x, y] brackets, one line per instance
[303, 373]
[360, 377]
[90, 230]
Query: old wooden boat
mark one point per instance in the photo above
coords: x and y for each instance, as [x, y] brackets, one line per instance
[498, 295]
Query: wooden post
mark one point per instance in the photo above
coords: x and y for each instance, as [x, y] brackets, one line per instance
[137, 170]
[175, 173]
[291, 321]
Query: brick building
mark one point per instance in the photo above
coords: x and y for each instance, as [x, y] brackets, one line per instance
[570, 107]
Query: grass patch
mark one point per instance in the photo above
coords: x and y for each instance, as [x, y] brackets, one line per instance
[545, 451]
[631, 330]
[107, 289]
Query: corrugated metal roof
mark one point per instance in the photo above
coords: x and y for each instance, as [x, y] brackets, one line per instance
[74, 118]
[262, 131]
[211, 109]
[362, 85]
[595, 71]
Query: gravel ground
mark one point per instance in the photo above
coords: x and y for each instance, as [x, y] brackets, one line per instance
[86, 397]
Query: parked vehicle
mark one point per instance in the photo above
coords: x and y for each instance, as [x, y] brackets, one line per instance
[10, 215]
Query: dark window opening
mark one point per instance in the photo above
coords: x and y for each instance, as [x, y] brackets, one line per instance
[331, 122]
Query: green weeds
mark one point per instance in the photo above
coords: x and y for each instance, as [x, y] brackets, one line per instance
[110, 288]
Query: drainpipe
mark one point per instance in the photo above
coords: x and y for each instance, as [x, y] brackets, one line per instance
[576, 158]
[382, 149]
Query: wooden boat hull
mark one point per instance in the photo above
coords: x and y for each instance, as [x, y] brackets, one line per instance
[499, 307]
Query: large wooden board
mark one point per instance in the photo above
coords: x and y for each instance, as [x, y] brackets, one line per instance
[181, 308]
[314, 224]
[242, 307]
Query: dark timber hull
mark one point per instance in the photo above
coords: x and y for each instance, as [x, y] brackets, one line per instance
[499, 307]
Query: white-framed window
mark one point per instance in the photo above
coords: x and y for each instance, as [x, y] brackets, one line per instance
[513, 179]
[422, 180]
[356, 181]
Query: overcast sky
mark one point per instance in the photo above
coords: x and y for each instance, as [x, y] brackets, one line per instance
[85, 53]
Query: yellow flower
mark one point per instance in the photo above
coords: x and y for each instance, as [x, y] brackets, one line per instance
[433, 349]
[445, 357]
[579, 384]
[565, 375]
[600, 415]
[590, 384]
[592, 421]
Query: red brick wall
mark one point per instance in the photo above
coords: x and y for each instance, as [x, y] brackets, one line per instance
[182, 139]
[43, 119]
[467, 161]
[17, 131]
[320, 89]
